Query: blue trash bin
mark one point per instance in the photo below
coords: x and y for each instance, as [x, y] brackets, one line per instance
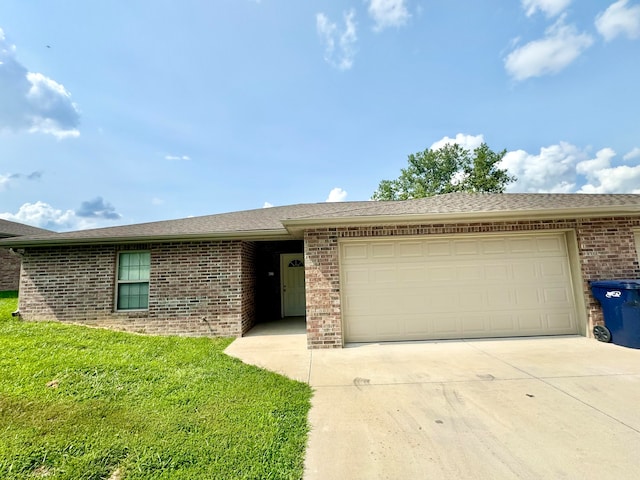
[620, 300]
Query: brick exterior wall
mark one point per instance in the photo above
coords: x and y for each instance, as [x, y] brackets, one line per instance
[248, 279]
[209, 288]
[9, 270]
[606, 251]
[195, 288]
[322, 288]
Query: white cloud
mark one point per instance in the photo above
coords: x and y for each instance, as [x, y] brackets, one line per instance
[619, 19]
[602, 161]
[337, 195]
[177, 157]
[267, 205]
[4, 181]
[339, 50]
[553, 170]
[469, 142]
[550, 8]
[41, 214]
[388, 13]
[561, 45]
[634, 153]
[604, 178]
[157, 201]
[31, 101]
[565, 168]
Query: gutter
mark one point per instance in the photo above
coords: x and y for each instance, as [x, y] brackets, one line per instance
[294, 226]
[61, 240]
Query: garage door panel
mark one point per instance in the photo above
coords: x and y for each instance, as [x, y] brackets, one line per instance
[465, 247]
[409, 274]
[556, 295]
[440, 273]
[355, 251]
[411, 249]
[466, 273]
[524, 272]
[357, 276]
[525, 246]
[470, 301]
[493, 246]
[439, 300]
[531, 322]
[497, 272]
[383, 275]
[505, 322]
[553, 269]
[445, 325]
[473, 325]
[382, 250]
[456, 287]
[437, 249]
[559, 322]
[552, 245]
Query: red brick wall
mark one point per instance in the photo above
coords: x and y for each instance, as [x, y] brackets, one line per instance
[9, 270]
[322, 285]
[195, 288]
[248, 279]
[606, 251]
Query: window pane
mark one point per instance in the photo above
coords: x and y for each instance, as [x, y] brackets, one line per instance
[134, 266]
[133, 296]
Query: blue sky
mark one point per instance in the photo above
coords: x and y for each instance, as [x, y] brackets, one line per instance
[124, 112]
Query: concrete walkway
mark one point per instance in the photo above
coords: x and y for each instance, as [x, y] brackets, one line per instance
[553, 407]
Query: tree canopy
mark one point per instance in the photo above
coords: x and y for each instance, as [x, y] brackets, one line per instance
[448, 169]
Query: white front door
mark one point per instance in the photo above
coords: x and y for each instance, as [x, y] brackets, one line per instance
[292, 275]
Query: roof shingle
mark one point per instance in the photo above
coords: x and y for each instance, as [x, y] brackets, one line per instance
[272, 222]
[15, 229]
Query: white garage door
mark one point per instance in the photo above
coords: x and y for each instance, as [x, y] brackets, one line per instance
[456, 287]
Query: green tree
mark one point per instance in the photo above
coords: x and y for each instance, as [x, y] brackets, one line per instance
[451, 168]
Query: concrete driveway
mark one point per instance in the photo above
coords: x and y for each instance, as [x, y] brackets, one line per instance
[552, 407]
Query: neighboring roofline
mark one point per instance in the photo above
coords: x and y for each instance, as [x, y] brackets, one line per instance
[19, 229]
[296, 225]
[281, 234]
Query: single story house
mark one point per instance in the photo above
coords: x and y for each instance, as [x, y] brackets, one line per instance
[459, 265]
[9, 263]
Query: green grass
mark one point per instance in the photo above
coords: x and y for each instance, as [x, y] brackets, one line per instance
[82, 403]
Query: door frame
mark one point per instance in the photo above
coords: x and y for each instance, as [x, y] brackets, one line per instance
[285, 258]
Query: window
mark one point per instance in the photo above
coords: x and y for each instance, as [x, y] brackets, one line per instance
[132, 289]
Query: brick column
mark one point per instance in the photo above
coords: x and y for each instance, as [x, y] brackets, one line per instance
[322, 280]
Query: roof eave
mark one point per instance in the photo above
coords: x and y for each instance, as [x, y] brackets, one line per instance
[253, 235]
[295, 226]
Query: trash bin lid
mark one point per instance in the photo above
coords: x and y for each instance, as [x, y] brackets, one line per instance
[625, 284]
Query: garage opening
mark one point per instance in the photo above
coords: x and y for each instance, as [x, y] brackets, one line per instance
[455, 287]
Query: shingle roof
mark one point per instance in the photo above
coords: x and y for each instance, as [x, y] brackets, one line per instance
[283, 221]
[460, 203]
[14, 229]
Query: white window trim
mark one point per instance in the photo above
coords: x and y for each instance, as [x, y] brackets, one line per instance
[122, 282]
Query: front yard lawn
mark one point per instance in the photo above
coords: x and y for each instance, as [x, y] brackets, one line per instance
[83, 403]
